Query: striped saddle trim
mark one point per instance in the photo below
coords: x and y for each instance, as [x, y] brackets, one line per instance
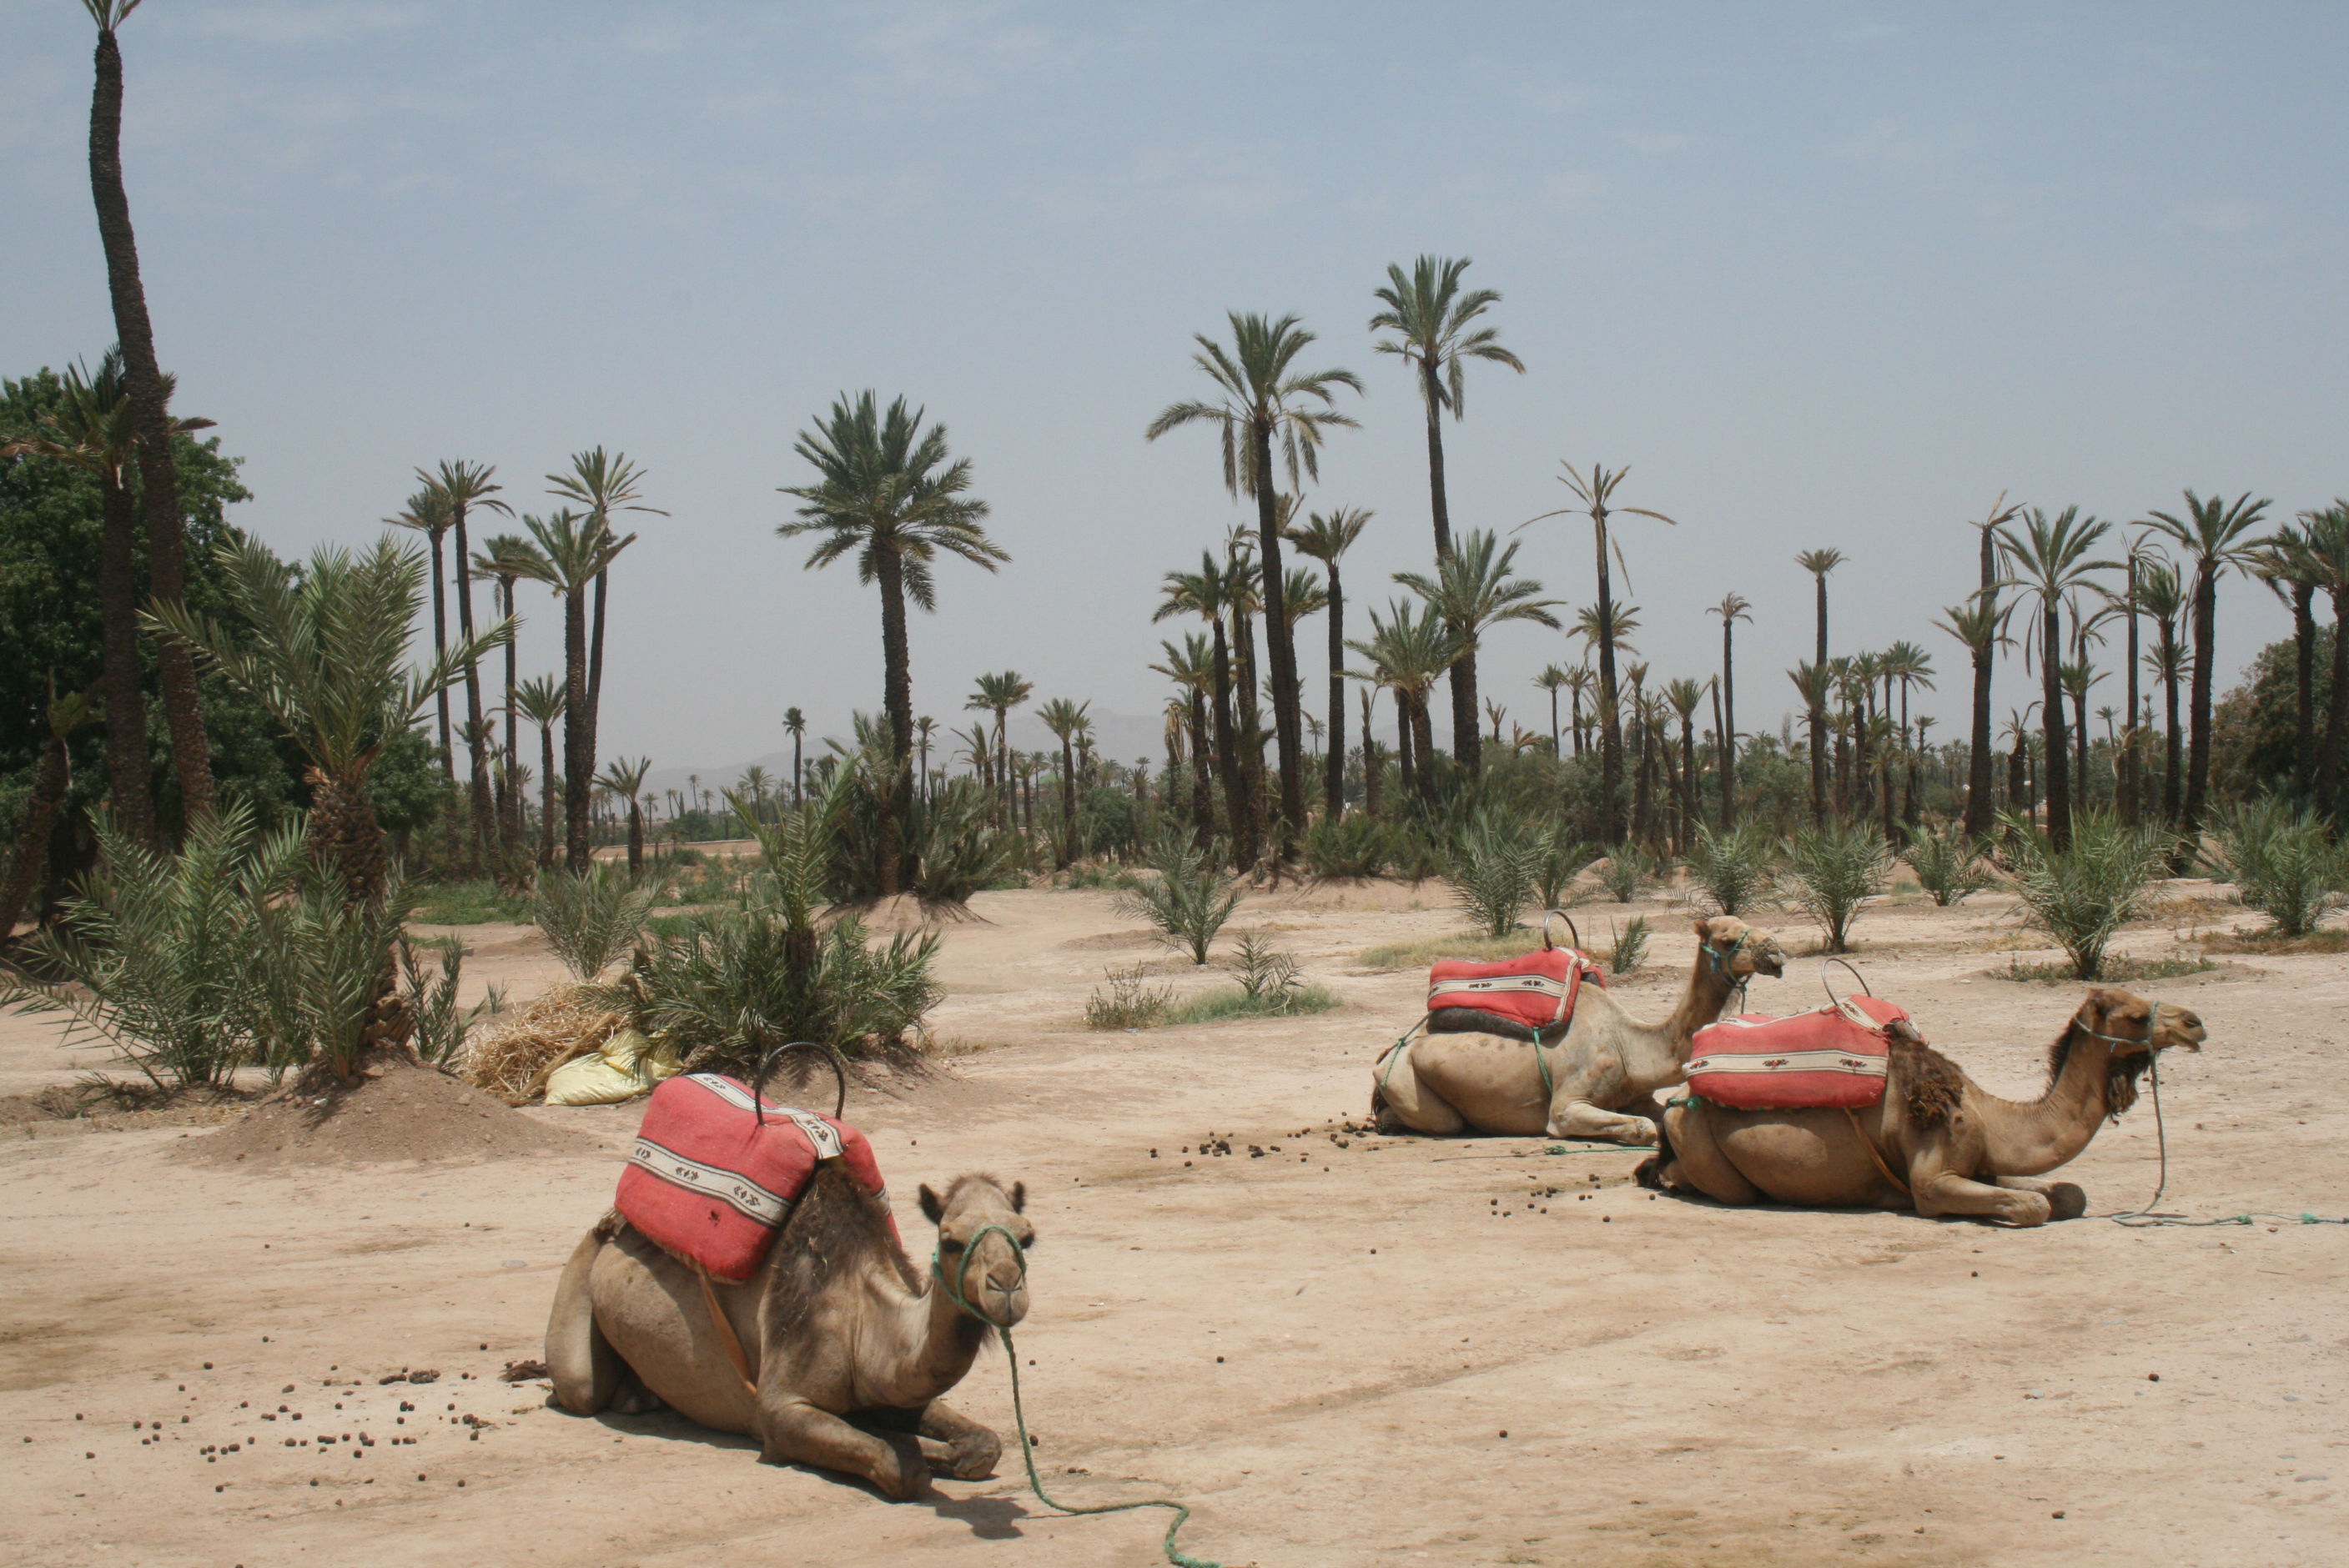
[819, 1133]
[729, 1187]
[1540, 984]
[1789, 1062]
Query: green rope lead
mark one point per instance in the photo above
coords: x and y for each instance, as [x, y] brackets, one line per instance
[955, 1293]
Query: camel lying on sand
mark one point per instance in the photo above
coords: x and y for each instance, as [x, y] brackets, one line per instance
[835, 1325]
[1937, 1142]
[1600, 1078]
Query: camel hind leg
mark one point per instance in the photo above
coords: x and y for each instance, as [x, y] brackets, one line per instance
[1687, 1157]
[1400, 1102]
[587, 1371]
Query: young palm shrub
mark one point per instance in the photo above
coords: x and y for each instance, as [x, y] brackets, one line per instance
[1630, 946]
[325, 960]
[593, 919]
[1189, 900]
[1492, 870]
[431, 996]
[1559, 857]
[1349, 849]
[1734, 868]
[2083, 894]
[2282, 863]
[1270, 986]
[1949, 865]
[961, 852]
[1626, 872]
[1836, 867]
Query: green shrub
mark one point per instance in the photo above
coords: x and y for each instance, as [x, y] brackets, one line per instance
[431, 998]
[2085, 894]
[1233, 1002]
[1626, 872]
[1491, 871]
[1270, 986]
[1349, 849]
[1948, 864]
[593, 919]
[2282, 863]
[1630, 946]
[1188, 900]
[960, 852]
[1734, 868]
[1560, 857]
[1837, 867]
[469, 903]
[1131, 1002]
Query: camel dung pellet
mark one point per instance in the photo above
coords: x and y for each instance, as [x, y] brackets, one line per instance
[208, 1366]
[1219, 1360]
[2153, 1377]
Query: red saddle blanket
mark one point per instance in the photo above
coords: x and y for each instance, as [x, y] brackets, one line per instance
[1832, 1055]
[712, 1183]
[1514, 998]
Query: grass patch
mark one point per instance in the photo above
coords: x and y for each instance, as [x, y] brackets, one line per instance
[1130, 1002]
[2113, 969]
[1234, 1001]
[1463, 945]
[2271, 940]
[470, 903]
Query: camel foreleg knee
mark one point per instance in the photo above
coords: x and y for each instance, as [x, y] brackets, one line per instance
[586, 1372]
[2065, 1199]
[956, 1445]
[1580, 1118]
[792, 1431]
[1945, 1193]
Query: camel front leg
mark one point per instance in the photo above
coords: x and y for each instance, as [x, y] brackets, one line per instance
[1937, 1191]
[956, 1445]
[2065, 1199]
[1576, 1105]
[584, 1369]
[792, 1431]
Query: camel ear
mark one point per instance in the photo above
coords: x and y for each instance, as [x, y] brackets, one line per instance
[1704, 930]
[1019, 1196]
[931, 1210]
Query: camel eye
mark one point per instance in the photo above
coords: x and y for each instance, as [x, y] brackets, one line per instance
[948, 1245]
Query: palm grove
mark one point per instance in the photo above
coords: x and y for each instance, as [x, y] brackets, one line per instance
[180, 690]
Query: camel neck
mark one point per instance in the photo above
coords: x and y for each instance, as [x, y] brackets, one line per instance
[927, 1342]
[1707, 992]
[2025, 1138]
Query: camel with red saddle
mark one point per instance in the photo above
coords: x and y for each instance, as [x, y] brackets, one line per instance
[751, 1280]
[1934, 1140]
[1596, 1079]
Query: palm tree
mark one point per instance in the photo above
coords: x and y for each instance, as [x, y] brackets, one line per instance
[1192, 668]
[1684, 695]
[1326, 537]
[887, 491]
[795, 724]
[625, 777]
[2324, 560]
[1206, 594]
[1435, 333]
[1594, 496]
[460, 487]
[1912, 668]
[1474, 588]
[1409, 652]
[2050, 562]
[427, 512]
[542, 702]
[51, 777]
[324, 651]
[1064, 718]
[505, 557]
[1550, 679]
[2161, 589]
[573, 552]
[926, 729]
[1819, 563]
[1980, 624]
[95, 429]
[1265, 399]
[2216, 536]
[601, 485]
[150, 396]
[1578, 682]
[998, 695]
[1732, 608]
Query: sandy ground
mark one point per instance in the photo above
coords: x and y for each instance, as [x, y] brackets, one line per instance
[1389, 1351]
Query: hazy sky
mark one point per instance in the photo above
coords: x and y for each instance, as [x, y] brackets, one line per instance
[1831, 274]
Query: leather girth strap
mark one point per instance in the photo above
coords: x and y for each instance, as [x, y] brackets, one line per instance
[727, 1336]
[1870, 1144]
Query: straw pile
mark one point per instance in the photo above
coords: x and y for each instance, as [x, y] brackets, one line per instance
[510, 1055]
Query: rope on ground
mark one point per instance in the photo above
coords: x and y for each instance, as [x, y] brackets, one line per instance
[2147, 1219]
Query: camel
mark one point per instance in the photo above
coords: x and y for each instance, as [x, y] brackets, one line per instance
[1937, 1143]
[1597, 1082]
[834, 1353]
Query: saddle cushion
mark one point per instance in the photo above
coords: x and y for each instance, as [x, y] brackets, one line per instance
[1514, 998]
[711, 1182]
[1830, 1057]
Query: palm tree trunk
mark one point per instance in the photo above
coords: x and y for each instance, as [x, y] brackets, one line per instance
[1247, 842]
[1333, 764]
[1203, 789]
[1288, 698]
[510, 814]
[1818, 715]
[440, 646]
[546, 795]
[636, 837]
[578, 737]
[1464, 673]
[477, 784]
[595, 647]
[2198, 743]
[2051, 714]
[127, 764]
[159, 479]
[1688, 782]
[1423, 743]
[1068, 804]
[2131, 786]
[2304, 651]
[32, 856]
[1369, 756]
[1406, 747]
[2336, 716]
[1227, 747]
[1728, 695]
[1610, 723]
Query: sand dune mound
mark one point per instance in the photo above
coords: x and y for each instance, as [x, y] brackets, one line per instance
[409, 1113]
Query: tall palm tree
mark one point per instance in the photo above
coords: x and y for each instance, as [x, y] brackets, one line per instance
[95, 429]
[1064, 719]
[504, 557]
[625, 777]
[1208, 593]
[427, 512]
[1192, 668]
[1980, 624]
[2324, 558]
[926, 729]
[1409, 652]
[1594, 498]
[1263, 400]
[461, 486]
[1476, 587]
[998, 695]
[324, 651]
[1550, 679]
[1684, 695]
[1912, 667]
[573, 552]
[601, 485]
[540, 701]
[2049, 561]
[2216, 537]
[2284, 567]
[1732, 608]
[1819, 563]
[1326, 537]
[2161, 589]
[795, 724]
[1578, 682]
[1434, 324]
[150, 396]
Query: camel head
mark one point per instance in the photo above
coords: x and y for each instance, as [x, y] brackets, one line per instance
[1729, 941]
[2133, 1029]
[983, 1272]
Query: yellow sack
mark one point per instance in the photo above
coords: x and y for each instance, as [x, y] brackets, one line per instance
[627, 1066]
